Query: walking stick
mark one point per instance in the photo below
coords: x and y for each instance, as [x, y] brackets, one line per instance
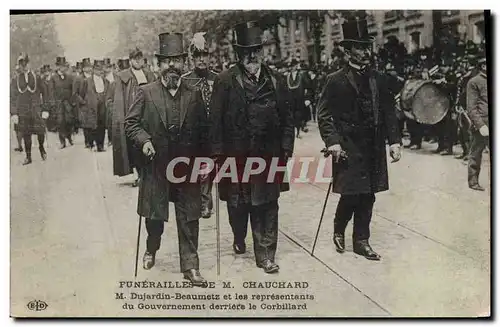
[326, 154]
[137, 246]
[217, 223]
[322, 215]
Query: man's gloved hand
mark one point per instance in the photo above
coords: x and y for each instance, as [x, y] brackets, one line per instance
[395, 151]
[307, 103]
[45, 114]
[148, 150]
[484, 130]
[15, 119]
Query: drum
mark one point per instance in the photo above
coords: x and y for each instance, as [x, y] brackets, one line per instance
[424, 102]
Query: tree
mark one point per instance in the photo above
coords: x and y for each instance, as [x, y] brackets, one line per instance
[35, 35]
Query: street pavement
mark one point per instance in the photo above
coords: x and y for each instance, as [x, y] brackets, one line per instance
[74, 232]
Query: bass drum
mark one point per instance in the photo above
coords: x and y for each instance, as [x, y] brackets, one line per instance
[424, 102]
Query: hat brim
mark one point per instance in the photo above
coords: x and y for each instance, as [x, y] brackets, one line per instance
[354, 41]
[163, 56]
[257, 45]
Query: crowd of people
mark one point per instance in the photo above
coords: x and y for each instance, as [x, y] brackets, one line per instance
[250, 107]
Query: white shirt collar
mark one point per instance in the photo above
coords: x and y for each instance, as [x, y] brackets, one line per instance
[87, 74]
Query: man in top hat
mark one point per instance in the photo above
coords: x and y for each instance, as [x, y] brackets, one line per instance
[203, 79]
[91, 94]
[356, 115]
[126, 84]
[478, 110]
[250, 116]
[65, 112]
[27, 106]
[297, 85]
[168, 120]
[109, 74]
[48, 82]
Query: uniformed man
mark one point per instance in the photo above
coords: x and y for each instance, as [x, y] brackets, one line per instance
[250, 116]
[65, 112]
[127, 81]
[203, 79]
[168, 120]
[356, 116]
[478, 110]
[27, 96]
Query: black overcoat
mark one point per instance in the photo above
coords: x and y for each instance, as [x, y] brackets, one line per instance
[145, 121]
[339, 121]
[230, 135]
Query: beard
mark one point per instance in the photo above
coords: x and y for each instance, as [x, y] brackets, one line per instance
[202, 72]
[252, 66]
[171, 77]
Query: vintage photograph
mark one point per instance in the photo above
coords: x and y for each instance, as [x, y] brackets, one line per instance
[250, 163]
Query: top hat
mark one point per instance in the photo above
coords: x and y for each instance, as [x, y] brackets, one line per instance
[294, 62]
[199, 44]
[134, 53]
[61, 61]
[123, 64]
[356, 31]
[86, 62]
[247, 35]
[99, 64]
[23, 57]
[171, 45]
[107, 62]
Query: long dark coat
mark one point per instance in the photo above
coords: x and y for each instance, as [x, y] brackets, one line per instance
[230, 135]
[124, 93]
[339, 120]
[147, 121]
[90, 110]
[27, 105]
[297, 88]
[64, 109]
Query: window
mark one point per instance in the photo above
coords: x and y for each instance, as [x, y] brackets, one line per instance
[414, 41]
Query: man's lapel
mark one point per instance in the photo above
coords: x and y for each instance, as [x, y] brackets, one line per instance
[350, 77]
[186, 94]
[237, 77]
[159, 101]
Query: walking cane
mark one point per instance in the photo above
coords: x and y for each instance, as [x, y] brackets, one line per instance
[137, 246]
[217, 223]
[326, 154]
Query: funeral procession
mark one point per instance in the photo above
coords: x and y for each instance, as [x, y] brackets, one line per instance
[239, 163]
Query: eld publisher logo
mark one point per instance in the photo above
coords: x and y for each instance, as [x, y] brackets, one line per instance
[37, 305]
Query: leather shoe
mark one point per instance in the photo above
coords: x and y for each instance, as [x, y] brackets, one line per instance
[19, 149]
[205, 213]
[476, 187]
[194, 276]
[239, 248]
[27, 161]
[148, 261]
[339, 241]
[43, 154]
[363, 248]
[269, 266]
[62, 146]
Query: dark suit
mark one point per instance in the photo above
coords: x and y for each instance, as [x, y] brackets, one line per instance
[198, 82]
[358, 113]
[252, 119]
[177, 127]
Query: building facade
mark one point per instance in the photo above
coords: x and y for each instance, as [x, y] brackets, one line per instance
[412, 27]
